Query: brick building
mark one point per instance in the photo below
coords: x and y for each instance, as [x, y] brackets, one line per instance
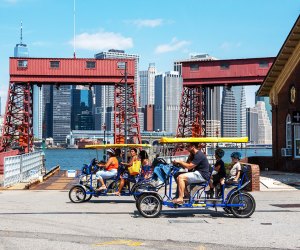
[282, 85]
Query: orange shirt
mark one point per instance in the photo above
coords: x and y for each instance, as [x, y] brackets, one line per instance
[114, 164]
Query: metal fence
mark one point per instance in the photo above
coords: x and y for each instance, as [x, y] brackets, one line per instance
[22, 168]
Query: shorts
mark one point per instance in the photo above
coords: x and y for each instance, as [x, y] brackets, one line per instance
[194, 177]
[217, 178]
[103, 174]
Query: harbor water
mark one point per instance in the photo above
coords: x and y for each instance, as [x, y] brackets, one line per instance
[75, 158]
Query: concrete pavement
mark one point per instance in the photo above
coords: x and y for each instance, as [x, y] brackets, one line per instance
[279, 181]
[34, 219]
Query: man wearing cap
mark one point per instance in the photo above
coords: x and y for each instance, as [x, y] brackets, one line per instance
[110, 170]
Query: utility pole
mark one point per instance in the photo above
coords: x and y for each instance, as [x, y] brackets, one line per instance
[125, 115]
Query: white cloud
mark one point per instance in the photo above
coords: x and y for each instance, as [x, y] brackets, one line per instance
[102, 40]
[152, 23]
[172, 46]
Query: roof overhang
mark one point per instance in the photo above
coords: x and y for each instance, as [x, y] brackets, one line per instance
[284, 64]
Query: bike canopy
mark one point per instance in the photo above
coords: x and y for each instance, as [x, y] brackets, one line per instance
[104, 146]
[166, 140]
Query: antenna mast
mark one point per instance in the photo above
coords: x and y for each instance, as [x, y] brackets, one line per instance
[21, 33]
[74, 42]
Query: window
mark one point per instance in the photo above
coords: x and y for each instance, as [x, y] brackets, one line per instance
[224, 65]
[90, 64]
[297, 141]
[263, 64]
[54, 64]
[22, 63]
[288, 131]
[194, 67]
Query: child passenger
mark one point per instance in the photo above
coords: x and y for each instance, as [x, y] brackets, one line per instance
[219, 172]
[235, 171]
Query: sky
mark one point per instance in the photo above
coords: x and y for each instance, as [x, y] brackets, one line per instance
[159, 31]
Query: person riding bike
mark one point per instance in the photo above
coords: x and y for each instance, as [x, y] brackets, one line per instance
[235, 171]
[146, 166]
[125, 176]
[200, 174]
[110, 170]
[219, 173]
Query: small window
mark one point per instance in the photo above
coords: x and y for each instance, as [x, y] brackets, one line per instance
[194, 67]
[90, 64]
[297, 141]
[263, 64]
[224, 65]
[288, 131]
[22, 63]
[54, 64]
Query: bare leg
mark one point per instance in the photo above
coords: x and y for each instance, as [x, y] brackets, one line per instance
[181, 183]
[100, 181]
[122, 182]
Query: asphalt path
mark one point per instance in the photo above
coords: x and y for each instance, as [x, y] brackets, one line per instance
[34, 219]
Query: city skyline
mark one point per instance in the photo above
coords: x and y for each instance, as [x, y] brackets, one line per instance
[227, 30]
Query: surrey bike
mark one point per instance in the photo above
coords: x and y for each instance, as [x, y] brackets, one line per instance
[86, 187]
[237, 201]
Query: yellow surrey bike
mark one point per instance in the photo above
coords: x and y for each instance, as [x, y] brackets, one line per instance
[237, 201]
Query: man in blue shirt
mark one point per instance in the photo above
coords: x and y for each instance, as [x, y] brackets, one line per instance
[198, 170]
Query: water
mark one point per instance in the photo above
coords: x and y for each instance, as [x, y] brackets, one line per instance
[70, 158]
[75, 158]
[246, 152]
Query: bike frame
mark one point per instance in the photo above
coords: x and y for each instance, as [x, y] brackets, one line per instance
[90, 190]
[196, 200]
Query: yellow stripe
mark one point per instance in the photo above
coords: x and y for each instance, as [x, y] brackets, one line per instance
[130, 243]
[103, 146]
[199, 205]
[204, 139]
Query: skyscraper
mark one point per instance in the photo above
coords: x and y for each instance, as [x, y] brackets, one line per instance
[233, 112]
[168, 88]
[104, 95]
[147, 79]
[47, 111]
[81, 109]
[266, 100]
[264, 124]
[252, 125]
[213, 111]
[61, 113]
[21, 49]
[104, 100]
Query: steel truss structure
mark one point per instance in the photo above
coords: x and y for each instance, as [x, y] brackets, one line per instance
[192, 114]
[17, 127]
[133, 125]
[25, 72]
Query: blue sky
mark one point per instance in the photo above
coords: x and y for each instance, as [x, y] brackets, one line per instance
[160, 31]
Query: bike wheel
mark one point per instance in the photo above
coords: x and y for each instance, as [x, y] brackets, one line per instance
[247, 200]
[113, 187]
[143, 186]
[149, 205]
[227, 210]
[77, 194]
[88, 196]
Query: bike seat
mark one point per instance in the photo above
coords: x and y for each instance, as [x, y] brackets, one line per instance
[232, 183]
[202, 184]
